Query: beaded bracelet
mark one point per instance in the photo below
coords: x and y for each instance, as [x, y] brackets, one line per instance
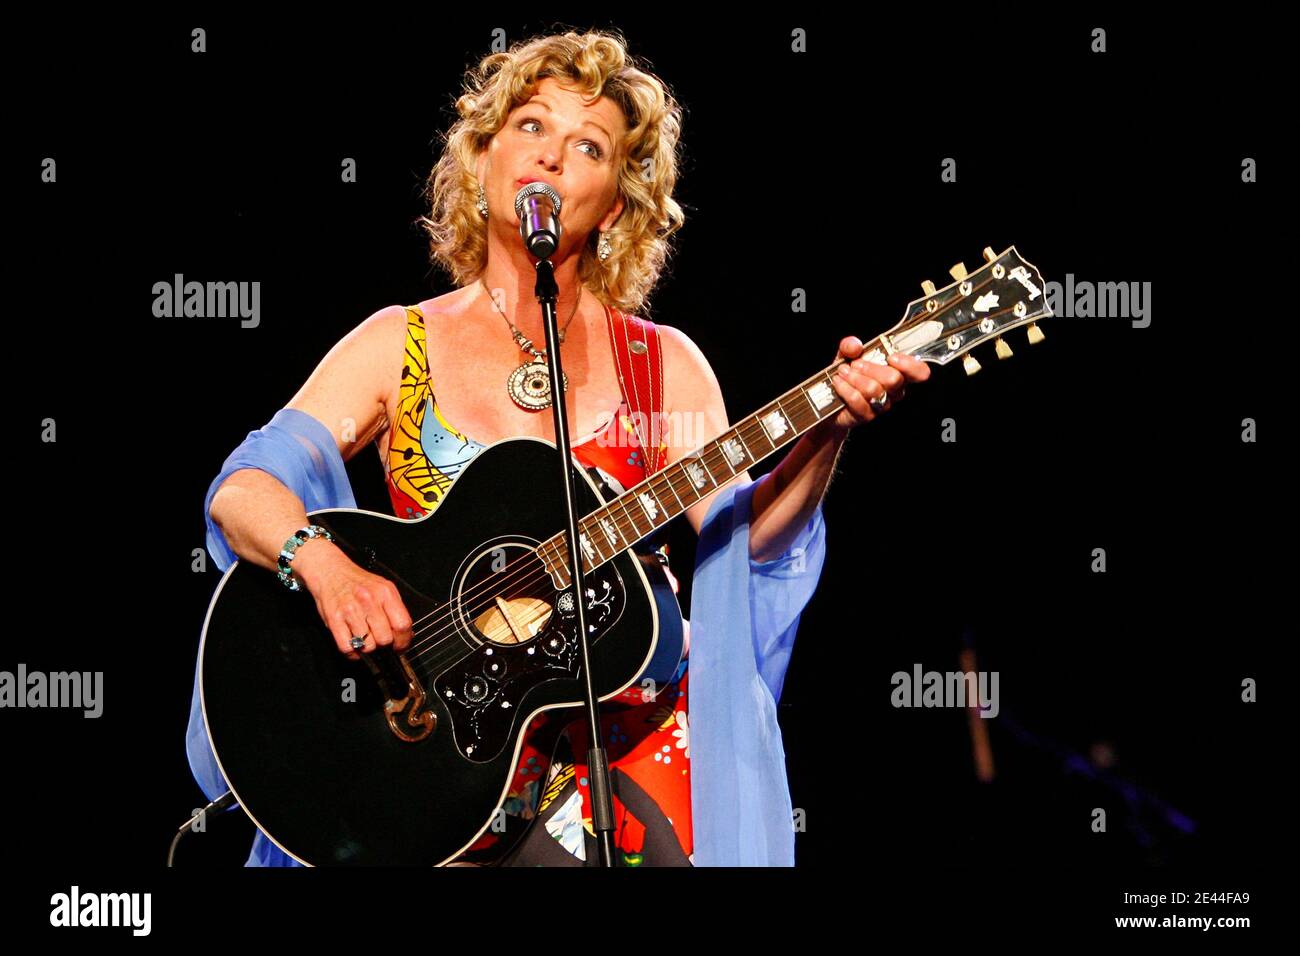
[300, 537]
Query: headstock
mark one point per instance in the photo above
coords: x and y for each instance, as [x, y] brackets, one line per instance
[1004, 293]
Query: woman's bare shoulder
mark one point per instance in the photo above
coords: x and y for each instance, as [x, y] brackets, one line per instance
[383, 339]
[351, 383]
[448, 304]
[380, 339]
[693, 375]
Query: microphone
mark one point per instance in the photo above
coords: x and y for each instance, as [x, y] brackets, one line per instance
[538, 207]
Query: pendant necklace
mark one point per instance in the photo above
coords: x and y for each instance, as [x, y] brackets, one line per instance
[529, 386]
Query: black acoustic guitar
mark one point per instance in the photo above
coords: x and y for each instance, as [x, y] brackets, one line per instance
[403, 759]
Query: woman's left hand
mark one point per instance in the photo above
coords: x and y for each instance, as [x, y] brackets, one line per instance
[862, 381]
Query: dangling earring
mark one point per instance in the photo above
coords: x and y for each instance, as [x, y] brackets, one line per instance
[603, 248]
[482, 201]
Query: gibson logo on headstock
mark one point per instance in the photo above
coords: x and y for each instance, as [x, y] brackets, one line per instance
[1021, 275]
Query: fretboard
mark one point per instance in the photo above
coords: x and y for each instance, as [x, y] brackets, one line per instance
[640, 510]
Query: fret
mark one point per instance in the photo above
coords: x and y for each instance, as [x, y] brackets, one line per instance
[630, 515]
[829, 379]
[667, 472]
[635, 516]
[715, 450]
[755, 431]
[799, 418]
[619, 524]
[791, 420]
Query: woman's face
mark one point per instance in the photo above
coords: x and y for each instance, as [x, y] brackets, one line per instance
[573, 144]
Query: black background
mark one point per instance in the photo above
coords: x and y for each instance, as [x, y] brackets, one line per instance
[1123, 166]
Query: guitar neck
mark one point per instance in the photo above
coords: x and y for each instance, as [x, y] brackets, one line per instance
[638, 512]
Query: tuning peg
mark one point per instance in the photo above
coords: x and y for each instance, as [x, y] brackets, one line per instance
[958, 271]
[989, 254]
[928, 287]
[970, 364]
[1004, 350]
[1034, 333]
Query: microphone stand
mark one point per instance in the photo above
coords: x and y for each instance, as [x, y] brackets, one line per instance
[602, 803]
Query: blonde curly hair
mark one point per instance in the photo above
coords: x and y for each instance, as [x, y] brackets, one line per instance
[597, 63]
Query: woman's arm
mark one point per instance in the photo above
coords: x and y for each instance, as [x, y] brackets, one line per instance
[694, 409]
[348, 393]
[786, 498]
[256, 514]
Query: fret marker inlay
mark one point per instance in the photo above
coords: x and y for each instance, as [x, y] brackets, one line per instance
[821, 395]
[735, 454]
[774, 423]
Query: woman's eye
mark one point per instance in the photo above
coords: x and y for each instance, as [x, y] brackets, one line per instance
[597, 151]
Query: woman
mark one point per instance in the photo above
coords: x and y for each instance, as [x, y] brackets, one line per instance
[425, 384]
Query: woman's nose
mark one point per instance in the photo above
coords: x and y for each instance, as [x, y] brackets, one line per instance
[549, 159]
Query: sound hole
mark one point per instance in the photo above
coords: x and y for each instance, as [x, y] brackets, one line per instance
[507, 594]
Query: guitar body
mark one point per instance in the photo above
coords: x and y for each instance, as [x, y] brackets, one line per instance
[403, 759]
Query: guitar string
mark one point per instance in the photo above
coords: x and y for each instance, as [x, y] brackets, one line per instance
[752, 429]
[669, 478]
[825, 373]
[422, 648]
[431, 643]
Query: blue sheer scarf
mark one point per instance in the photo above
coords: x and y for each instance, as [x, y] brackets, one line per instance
[744, 618]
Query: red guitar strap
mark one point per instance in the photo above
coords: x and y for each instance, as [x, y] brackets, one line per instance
[638, 358]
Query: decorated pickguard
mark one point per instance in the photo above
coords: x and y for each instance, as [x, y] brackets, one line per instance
[487, 690]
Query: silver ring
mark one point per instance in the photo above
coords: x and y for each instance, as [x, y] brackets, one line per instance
[358, 642]
[881, 401]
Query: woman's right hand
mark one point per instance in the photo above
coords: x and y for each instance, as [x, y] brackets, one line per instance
[351, 600]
